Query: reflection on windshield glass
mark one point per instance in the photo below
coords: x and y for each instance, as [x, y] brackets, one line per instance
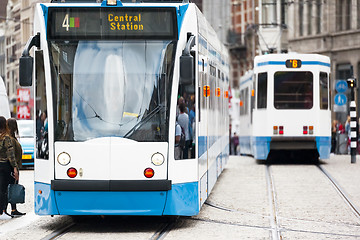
[26, 129]
[109, 88]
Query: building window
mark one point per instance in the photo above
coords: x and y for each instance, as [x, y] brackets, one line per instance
[343, 15]
[301, 17]
[309, 18]
[318, 16]
[358, 13]
[343, 71]
[14, 82]
[339, 7]
[269, 12]
[348, 15]
[284, 12]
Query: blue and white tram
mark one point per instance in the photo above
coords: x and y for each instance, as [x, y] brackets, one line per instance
[286, 105]
[246, 101]
[108, 77]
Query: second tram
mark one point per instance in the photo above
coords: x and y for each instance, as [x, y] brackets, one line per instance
[285, 105]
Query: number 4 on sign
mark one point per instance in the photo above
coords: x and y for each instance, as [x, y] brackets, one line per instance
[66, 22]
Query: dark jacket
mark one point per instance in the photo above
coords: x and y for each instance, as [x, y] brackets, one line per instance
[18, 151]
[7, 151]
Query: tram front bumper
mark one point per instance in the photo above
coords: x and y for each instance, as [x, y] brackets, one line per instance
[179, 199]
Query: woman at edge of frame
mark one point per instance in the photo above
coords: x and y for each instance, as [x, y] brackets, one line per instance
[14, 131]
[7, 166]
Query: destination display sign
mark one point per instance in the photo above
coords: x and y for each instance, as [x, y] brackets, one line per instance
[293, 63]
[112, 23]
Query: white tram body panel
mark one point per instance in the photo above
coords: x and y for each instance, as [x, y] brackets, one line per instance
[291, 105]
[90, 162]
[246, 86]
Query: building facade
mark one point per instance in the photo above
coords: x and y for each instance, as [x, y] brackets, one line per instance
[258, 27]
[12, 49]
[217, 13]
[332, 28]
[17, 29]
[243, 40]
[3, 4]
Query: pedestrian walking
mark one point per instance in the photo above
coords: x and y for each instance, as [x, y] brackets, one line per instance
[8, 165]
[183, 120]
[14, 133]
[235, 142]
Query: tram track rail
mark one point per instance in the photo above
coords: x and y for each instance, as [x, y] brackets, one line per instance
[59, 232]
[275, 230]
[340, 191]
[159, 234]
[165, 229]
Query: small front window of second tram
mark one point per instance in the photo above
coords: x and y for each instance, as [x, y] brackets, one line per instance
[293, 90]
[112, 88]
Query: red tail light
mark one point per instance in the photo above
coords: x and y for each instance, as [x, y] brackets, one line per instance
[305, 130]
[72, 172]
[149, 172]
[281, 130]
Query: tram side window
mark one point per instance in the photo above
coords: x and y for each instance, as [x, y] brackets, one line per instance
[42, 149]
[262, 90]
[244, 101]
[324, 99]
[241, 102]
[185, 121]
[212, 87]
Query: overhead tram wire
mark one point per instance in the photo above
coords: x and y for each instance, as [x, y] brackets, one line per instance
[123, 1]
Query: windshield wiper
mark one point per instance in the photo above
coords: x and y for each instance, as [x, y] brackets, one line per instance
[145, 120]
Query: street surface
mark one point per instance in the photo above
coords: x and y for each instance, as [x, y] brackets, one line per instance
[251, 200]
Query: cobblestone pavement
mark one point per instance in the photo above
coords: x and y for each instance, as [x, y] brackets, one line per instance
[241, 206]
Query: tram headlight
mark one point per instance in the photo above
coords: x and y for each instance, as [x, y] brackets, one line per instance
[157, 159]
[64, 158]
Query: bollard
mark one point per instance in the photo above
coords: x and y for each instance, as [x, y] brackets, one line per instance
[352, 84]
[353, 131]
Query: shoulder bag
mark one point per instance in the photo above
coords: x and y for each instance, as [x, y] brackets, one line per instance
[16, 193]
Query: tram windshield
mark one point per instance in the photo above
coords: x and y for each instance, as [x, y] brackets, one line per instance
[293, 90]
[112, 89]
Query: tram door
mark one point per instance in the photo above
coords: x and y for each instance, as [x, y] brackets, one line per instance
[203, 136]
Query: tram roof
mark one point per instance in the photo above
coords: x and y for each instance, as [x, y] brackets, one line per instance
[301, 56]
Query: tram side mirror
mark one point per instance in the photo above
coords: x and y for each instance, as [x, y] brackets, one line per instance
[26, 71]
[187, 75]
[186, 69]
[26, 61]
